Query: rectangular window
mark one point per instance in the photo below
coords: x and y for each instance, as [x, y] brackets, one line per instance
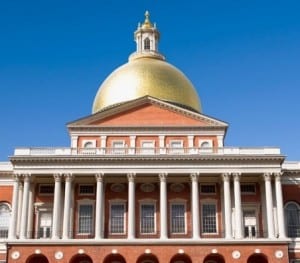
[118, 147]
[46, 189]
[45, 224]
[147, 147]
[177, 218]
[85, 219]
[147, 218]
[176, 147]
[248, 188]
[117, 214]
[209, 218]
[207, 188]
[86, 189]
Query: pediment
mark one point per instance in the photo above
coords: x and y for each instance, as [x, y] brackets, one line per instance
[145, 112]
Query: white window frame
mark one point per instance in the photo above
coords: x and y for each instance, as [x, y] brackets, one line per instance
[90, 149]
[210, 184]
[81, 203]
[209, 202]
[286, 218]
[178, 202]
[117, 202]
[251, 207]
[5, 228]
[86, 194]
[147, 202]
[178, 149]
[118, 150]
[147, 150]
[41, 208]
[206, 149]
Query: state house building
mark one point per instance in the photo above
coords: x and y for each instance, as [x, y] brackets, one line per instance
[147, 179]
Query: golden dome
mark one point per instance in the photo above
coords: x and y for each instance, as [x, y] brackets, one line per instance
[147, 74]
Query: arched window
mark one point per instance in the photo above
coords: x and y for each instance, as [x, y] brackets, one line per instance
[88, 145]
[147, 44]
[4, 219]
[292, 216]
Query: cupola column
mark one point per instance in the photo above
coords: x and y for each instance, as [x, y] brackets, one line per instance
[227, 205]
[195, 206]
[99, 207]
[163, 206]
[25, 203]
[67, 206]
[279, 205]
[56, 206]
[14, 212]
[237, 205]
[131, 206]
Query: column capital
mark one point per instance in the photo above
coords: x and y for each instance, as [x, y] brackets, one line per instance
[226, 177]
[194, 177]
[57, 177]
[16, 177]
[278, 176]
[27, 177]
[68, 177]
[131, 177]
[267, 176]
[99, 177]
[163, 177]
[236, 176]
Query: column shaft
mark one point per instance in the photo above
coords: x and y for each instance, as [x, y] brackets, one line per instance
[195, 206]
[227, 205]
[14, 212]
[24, 217]
[237, 206]
[67, 207]
[163, 206]
[56, 207]
[131, 206]
[269, 204]
[279, 205]
[99, 207]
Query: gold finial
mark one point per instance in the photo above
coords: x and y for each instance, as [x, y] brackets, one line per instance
[147, 23]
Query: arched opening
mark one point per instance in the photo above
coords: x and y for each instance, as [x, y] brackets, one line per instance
[292, 219]
[214, 258]
[147, 44]
[114, 258]
[147, 258]
[257, 258]
[181, 258]
[4, 219]
[81, 259]
[37, 259]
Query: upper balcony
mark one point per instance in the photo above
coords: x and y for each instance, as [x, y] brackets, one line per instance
[65, 151]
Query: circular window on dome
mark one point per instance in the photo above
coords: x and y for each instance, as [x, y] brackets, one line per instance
[177, 187]
[117, 188]
[147, 187]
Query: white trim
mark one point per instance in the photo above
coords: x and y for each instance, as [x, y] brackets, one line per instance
[177, 201]
[209, 202]
[205, 145]
[148, 149]
[117, 202]
[147, 202]
[86, 202]
[86, 194]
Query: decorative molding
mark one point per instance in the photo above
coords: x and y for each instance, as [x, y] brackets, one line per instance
[163, 177]
[131, 177]
[147, 187]
[194, 177]
[226, 177]
[117, 188]
[68, 177]
[99, 177]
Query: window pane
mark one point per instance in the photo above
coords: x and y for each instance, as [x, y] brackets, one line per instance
[85, 219]
[209, 218]
[147, 218]
[4, 220]
[177, 218]
[292, 220]
[117, 212]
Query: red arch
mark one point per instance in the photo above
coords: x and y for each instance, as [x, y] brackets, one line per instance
[181, 257]
[79, 258]
[257, 258]
[37, 259]
[215, 258]
[147, 257]
[114, 257]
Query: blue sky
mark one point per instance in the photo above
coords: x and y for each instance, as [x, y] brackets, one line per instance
[242, 56]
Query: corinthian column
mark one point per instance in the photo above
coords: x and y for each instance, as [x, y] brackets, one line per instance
[131, 206]
[279, 205]
[25, 203]
[56, 207]
[99, 206]
[269, 204]
[67, 206]
[237, 205]
[195, 206]
[163, 206]
[227, 205]
[14, 212]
